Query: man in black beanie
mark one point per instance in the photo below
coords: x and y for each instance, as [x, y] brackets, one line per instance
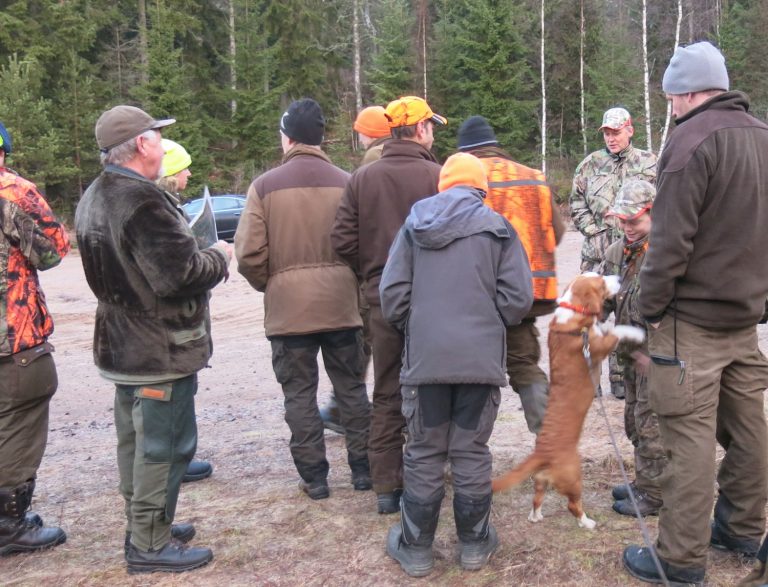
[522, 196]
[283, 248]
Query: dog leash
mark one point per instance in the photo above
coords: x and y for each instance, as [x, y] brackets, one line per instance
[633, 499]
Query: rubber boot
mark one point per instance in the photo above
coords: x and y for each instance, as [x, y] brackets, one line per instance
[17, 534]
[477, 536]
[410, 541]
[534, 398]
[759, 575]
[361, 472]
[331, 416]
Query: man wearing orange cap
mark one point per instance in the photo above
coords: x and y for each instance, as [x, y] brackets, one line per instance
[375, 203]
[373, 131]
[456, 277]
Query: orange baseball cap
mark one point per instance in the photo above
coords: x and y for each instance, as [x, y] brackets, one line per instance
[463, 169]
[372, 122]
[410, 110]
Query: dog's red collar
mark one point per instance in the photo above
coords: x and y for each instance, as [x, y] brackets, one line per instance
[580, 309]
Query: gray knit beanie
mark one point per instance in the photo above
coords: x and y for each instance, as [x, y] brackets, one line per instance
[695, 68]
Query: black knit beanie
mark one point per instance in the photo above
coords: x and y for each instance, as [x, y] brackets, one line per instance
[476, 132]
[303, 122]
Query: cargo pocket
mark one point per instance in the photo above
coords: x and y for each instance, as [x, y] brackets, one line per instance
[488, 417]
[671, 389]
[410, 410]
[279, 362]
[30, 373]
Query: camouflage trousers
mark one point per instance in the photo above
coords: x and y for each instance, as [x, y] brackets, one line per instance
[642, 427]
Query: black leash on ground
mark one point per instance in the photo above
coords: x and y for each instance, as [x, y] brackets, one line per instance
[633, 499]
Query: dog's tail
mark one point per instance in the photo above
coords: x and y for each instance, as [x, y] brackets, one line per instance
[517, 475]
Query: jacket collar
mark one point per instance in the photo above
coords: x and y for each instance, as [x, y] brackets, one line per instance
[725, 101]
[127, 172]
[300, 150]
[404, 147]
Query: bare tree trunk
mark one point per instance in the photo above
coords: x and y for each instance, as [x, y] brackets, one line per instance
[356, 43]
[143, 43]
[543, 100]
[423, 26]
[232, 58]
[646, 90]
[669, 104]
[582, 118]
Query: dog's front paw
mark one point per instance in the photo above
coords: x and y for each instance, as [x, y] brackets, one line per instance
[585, 522]
[633, 333]
[535, 516]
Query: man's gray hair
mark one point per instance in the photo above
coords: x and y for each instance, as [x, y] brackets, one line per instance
[124, 152]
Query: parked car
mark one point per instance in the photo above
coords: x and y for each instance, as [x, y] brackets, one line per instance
[227, 209]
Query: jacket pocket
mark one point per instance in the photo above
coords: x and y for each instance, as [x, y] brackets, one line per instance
[671, 388]
[29, 374]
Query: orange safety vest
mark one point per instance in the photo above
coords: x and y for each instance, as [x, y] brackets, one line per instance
[523, 197]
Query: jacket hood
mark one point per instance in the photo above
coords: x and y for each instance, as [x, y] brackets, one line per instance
[456, 213]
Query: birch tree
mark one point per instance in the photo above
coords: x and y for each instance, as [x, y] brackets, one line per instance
[646, 84]
[356, 57]
[582, 120]
[543, 99]
[669, 104]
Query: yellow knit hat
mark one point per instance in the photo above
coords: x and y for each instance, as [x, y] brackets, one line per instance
[463, 169]
[176, 158]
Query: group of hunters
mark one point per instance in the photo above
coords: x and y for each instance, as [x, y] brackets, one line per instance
[438, 273]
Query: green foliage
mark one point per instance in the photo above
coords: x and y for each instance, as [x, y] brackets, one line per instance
[392, 74]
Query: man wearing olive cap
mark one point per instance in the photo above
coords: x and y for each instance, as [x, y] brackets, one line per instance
[376, 201]
[152, 331]
[702, 291]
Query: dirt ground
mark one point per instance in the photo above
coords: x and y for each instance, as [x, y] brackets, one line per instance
[262, 529]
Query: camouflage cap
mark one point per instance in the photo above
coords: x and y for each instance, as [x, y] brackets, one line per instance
[616, 118]
[634, 198]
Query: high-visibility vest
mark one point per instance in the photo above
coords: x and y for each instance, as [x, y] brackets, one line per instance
[523, 197]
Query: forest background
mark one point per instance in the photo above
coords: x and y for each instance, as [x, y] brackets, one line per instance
[226, 69]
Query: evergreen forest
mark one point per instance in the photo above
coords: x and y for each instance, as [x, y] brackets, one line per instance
[541, 71]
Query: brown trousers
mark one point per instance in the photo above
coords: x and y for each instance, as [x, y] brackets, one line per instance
[25, 392]
[717, 397]
[385, 445]
[523, 355]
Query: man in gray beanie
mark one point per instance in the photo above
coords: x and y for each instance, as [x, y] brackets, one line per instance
[702, 291]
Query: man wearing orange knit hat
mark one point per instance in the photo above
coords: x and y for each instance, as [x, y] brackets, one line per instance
[373, 131]
[456, 277]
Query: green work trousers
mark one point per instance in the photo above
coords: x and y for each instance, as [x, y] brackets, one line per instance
[156, 439]
[716, 397]
[523, 354]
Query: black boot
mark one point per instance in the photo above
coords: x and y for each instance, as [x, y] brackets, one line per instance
[410, 541]
[361, 473]
[197, 471]
[16, 533]
[174, 557]
[477, 536]
[723, 539]
[181, 532]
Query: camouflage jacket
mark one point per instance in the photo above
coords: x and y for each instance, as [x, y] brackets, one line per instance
[31, 239]
[597, 181]
[625, 260]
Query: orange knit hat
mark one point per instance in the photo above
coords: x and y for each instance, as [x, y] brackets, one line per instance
[463, 169]
[372, 122]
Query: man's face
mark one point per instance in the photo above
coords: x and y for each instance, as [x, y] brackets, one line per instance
[424, 134]
[636, 228]
[152, 152]
[365, 140]
[681, 104]
[616, 140]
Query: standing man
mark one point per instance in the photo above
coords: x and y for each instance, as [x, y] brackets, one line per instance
[31, 239]
[283, 248]
[373, 131]
[598, 179]
[376, 201]
[702, 290]
[523, 197]
[152, 332]
[457, 275]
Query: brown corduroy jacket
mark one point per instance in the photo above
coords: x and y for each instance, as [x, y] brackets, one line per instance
[376, 202]
[283, 246]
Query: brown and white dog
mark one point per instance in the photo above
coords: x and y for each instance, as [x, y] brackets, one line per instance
[574, 328]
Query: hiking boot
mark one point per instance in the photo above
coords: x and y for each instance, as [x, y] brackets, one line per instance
[315, 489]
[361, 473]
[638, 561]
[20, 533]
[33, 519]
[181, 532]
[617, 389]
[647, 505]
[331, 416]
[722, 540]
[416, 561]
[197, 471]
[473, 556]
[174, 557]
[389, 503]
[620, 492]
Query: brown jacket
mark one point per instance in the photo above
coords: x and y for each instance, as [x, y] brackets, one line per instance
[373, 152]
[283, 246]
[709, 237]
[378, 198]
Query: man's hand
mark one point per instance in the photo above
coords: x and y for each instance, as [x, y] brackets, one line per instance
[226, 247]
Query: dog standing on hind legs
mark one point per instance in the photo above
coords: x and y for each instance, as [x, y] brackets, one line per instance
[577, 341]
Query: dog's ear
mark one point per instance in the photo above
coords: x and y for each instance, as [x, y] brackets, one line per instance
[612, 283]
[596, 294]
